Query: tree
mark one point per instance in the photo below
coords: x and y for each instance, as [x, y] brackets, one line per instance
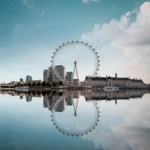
[34, 83]
[39, 84]
[44, 83]
[23, 84]
[49, 84]
[60, 83]
[54, 84]
[18, 84]
[29, 83]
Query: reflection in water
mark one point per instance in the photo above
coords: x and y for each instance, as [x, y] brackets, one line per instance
[77, 118]
[114, 95]
[69, 106]
[76, 113]
[97, 95]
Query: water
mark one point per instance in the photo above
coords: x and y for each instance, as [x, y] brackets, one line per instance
[70, 122]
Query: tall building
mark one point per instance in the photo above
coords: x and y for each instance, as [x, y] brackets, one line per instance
[28, 78]
[69, 76]
[61, 71]
[50, 75]
[45, 74]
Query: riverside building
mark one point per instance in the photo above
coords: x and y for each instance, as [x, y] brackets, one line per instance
[120, 82]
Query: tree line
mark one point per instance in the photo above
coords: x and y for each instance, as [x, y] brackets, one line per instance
[38, 83]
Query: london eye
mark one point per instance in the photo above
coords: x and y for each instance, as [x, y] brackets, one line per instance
[76, 54]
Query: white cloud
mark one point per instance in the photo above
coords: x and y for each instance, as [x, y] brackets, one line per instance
[87, 1]
[130, 36]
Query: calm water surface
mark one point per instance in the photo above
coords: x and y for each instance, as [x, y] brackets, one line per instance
[77, 124]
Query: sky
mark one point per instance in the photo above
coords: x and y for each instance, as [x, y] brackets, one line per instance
[30, 30]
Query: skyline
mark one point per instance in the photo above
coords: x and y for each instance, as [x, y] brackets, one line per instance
[31, 30]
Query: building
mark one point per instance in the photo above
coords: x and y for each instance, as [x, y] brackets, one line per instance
[37, 81]
[28, 78]
[69, 77]
[45, 75]
[61, 72]
[21, 80]
[56, 74]
[101, 82]
[76, 82]
[148, 86]
[49, 75]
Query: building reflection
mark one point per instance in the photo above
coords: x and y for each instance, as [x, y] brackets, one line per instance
[49, 102]
[69, 100]
[66, 99]
[28, 98]
[51, 97]
[116, 95]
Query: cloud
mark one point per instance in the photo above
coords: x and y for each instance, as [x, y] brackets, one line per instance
[40, 12]
[87, 1]
[106, 32]
[31, 5]
[124, 31]
[28, 3]
[130, 34]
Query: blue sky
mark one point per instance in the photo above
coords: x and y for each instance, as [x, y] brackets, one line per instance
[30, 30]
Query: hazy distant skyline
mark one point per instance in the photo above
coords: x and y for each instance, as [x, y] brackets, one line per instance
[30, 30]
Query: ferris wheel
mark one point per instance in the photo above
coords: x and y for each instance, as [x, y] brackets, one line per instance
[75, 121]
[78, 55]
